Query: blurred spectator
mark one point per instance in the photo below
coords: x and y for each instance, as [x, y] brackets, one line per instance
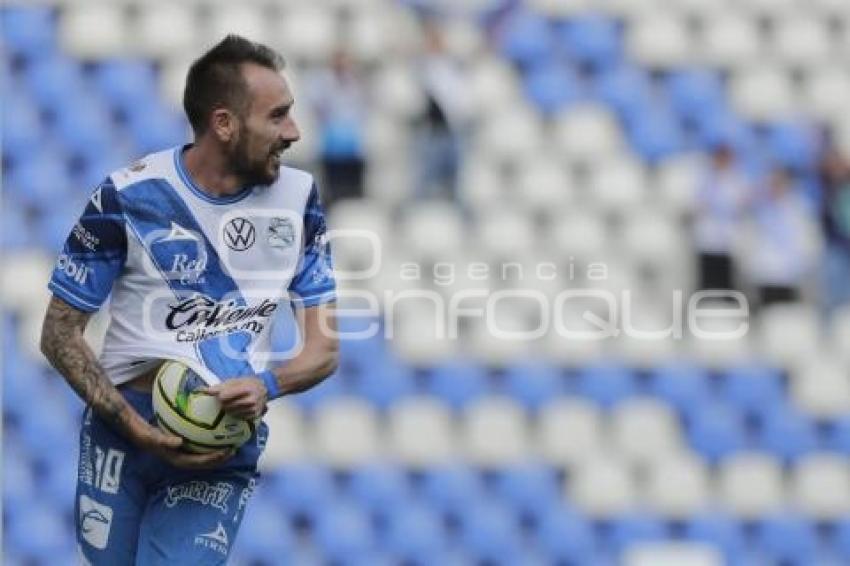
[440, 128]
[834, 174]
[783, 238]
[722, 195]
[339, 100]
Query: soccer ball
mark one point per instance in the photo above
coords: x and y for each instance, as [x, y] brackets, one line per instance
[182, 409]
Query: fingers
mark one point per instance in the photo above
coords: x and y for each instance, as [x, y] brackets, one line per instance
[200, 461]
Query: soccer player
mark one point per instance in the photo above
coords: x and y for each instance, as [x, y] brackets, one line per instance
[201, 247]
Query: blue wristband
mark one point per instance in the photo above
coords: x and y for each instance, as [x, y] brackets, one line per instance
[270, 379]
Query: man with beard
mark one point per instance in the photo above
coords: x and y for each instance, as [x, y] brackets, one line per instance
[213, 241]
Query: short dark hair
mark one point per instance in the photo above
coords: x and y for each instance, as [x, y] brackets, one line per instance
[215, 79]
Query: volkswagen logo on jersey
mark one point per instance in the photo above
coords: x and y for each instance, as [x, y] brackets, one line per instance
[239, 234]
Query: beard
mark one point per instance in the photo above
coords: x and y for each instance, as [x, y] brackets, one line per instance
[255, 169]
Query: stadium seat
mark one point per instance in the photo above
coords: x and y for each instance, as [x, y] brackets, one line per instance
[352, 419]
[23, 132]
[752, 389]
[794, 144]
[762, 93]
[821, 387]
[581, 236]
[658, 41]
[587, 131]
[591, 40]
[302, 489]
[718, 530]
[95, 30]
[551, 87]
[493, 86]
[525, 142]
[626, 89]
[841, 538]
[421, 432]
[644, 430]
[432, 230]
[603, 487]
[532, 383]
[415, 535]
[494, 432]
[52, 540]
[695, 91]
[526, 38]
[451, 489]
[750, 485]
[270, 538]
[825, 88]
[569, 431]
[247, 20]
[489, 534]
[126, 83]
[306, 33]
[457, 383]
[556, 9]
[164, 29]
[801, 39]
[29, 31]
[606, 384]
[678, 486]
[655, 133]
[328, 390]
[787, 538]
[530, 489]
[635, 528]
[618, 184]
[344, 533]
[787, 433]
[716, 431]
[379, 488]
[542, 185]
[401, 97]
[729, 41]
[287, 431]
[820, 486]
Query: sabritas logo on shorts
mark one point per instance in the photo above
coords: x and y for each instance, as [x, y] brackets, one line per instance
[200, 317]
[203, 492]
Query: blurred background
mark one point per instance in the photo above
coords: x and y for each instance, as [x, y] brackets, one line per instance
[680, 144]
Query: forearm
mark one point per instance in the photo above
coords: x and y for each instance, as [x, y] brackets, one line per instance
[64, 346]
[306, 370]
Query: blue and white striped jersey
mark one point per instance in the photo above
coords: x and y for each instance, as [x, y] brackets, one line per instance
[195, 277]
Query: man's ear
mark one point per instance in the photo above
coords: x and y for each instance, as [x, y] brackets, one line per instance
[224, 124]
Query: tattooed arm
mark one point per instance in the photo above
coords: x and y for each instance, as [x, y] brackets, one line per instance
[64, 345]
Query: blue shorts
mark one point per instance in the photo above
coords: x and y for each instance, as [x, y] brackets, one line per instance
[134, 508]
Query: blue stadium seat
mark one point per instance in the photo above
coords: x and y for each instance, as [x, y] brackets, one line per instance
[526, 38]
[533, 383]
[360, 353]
[18, 482]
[530, 489]
[716, 430]
[722, 126]
[692, 92]
[343, 532]
[752, 388]
[40, 178]
[793, 144]
[302, 489]
[457, 383]
[606, 384]
[490, 534]
[451, 489]
[787, 538]
[416, 535]
[655, 133]
[29, 31]
[787, 433]
[385, 383]
[683, 386]
[626, 89]
[15, 230]
[592, 41]
[841, 539]
[86, 128]
[126, 83]
[267, 537]
[551, 87]
[154, 127]
[837, 435]
[718, 530]
[633, 529]
[379, 488]
[39, 533]
[332, 387]
[56, 82]
[566, 536]
[23, 131]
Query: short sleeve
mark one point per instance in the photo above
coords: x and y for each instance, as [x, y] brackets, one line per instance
[94, 252]
[314, 282]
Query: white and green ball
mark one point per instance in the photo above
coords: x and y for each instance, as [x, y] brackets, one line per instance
[184, 409]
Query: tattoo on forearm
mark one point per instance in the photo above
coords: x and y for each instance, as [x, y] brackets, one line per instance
[63, 344]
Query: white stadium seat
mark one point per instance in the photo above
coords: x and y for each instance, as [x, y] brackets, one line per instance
[820, 486]
[839, 333]
[368, 35]
[678, 486]
[493, 86]
[561, 8]
[579, 234]
[644, 430]
[162, 29]
[780, 346]
[587, 131]
[95, 29]
[751, 485]
[630, 9]
[288, 433]
[569, 431]
[801, 39]
[464, 40]
[725, 340]
[603, 487]
[826, 91]
[346, 433]
[542, 185]
[481, 184]
[659, 40]
[247, 20]
[653, 236]
[672, 554]
[420, 328]
[821, 387]
[676, 183]
[505, 233]
[306, 33]
[729, 41]
[421, 432]
[433, 230]
[401, 96]
[495, 432]
[524, 141]
[618, 183]
[763, 93]
[360, 237]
